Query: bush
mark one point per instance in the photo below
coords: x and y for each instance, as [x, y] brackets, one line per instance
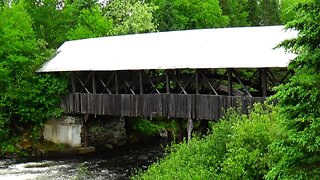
[236, 148]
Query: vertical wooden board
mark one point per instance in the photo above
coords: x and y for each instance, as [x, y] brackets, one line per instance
[211, 108]
[189, 106]
[90, 104]
[146, 105]
[83, 103]
[184, 106]
[140, 105]
[196, 108]
[103, 104]
[99, 102]
[71, 106]
[193, 106]
[170, 105]
[123, 105]
[152, 105]
[118, 107]
[223, 106]
[64, 104]
[200, 104]
[164, 105]
[133, 104]
[109, 104]
[215, 107]
[208, 107]
[180, 105]
[76, 101]
[158, 105]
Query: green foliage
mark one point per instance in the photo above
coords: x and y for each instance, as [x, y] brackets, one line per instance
[236, 11]
[287, 9]
[270, 12]
[50, 23]
[299, 100]
[189, 14]
[27, 98]
[237, 148]
[91, 23]
[254, 12]
[248, 153]
[152, 127]
[131, 17]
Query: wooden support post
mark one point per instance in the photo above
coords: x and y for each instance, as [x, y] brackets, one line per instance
[73, 82]
[229, 82]
[141, 82]
[189, 128]
[197, 81]
[168, 81]
[116, 82]
[180, 130]
[264, 82]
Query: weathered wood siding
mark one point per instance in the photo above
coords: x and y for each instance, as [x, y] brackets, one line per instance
[210, 107]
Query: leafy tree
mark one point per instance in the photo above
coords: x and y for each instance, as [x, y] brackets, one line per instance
[26, 99]
[270, 12]
[236, 11]
[254, 12]
[131, 17]
[50, 23]
[189, 14]
[90, 24]
[287, 12]
[299, 100]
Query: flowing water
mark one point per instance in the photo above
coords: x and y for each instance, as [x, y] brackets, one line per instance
[116, 164]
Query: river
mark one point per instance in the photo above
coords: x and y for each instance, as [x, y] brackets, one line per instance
[117, 164]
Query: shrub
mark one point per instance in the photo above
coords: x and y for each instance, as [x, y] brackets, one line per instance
[236, 148]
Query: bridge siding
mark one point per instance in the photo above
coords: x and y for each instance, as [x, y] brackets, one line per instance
[210, 107]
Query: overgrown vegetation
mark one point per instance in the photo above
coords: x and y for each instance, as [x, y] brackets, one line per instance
[236, 148]
[281, 142]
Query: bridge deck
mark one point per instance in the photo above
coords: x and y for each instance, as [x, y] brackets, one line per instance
[200, 106]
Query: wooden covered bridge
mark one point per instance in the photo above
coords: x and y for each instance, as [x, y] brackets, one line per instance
[193, 74]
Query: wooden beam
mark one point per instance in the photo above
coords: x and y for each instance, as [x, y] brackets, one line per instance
[129, 86]
[241, 83]
[209, 83]
[230, 82]
[105, 85]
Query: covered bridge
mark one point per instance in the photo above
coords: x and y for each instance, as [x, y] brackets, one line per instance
[192, 74]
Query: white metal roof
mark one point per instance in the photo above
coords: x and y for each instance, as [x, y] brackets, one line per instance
[245, 47]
